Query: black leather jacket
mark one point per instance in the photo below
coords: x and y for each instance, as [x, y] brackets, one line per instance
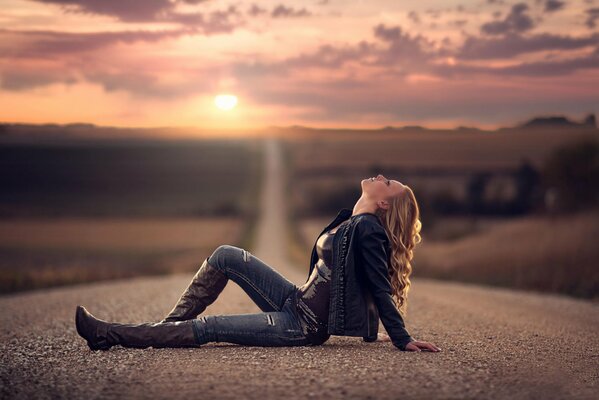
[360, 286]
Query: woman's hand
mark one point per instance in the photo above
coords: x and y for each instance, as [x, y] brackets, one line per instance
[417, 345]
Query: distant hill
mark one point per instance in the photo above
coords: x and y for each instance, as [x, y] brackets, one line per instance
[77, 132]
[560, 122]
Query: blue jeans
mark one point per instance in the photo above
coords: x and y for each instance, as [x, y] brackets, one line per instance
[277, 325]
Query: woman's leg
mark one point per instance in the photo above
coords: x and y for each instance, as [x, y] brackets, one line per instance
[263, 284]
[102, 335]
[268, 329]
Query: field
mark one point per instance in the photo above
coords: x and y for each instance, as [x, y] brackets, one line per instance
[141, 178]
[51, 252]
[78, 212]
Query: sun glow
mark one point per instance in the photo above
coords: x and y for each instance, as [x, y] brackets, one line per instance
[225, 101]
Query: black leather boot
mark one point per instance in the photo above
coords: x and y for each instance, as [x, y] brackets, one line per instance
[202, 291]
[102, 335]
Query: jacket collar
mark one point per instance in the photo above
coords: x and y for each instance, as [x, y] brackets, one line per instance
[345, 213]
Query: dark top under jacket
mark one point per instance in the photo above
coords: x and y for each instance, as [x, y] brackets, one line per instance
[360, 289]
[314, 295]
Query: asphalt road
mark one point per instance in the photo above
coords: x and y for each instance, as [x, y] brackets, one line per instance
[496, 343]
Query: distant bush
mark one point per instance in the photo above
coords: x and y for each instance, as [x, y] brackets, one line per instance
[571, 176]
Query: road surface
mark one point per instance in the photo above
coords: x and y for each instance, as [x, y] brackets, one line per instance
[496, 343]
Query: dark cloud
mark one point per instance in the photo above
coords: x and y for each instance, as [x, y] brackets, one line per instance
[433, 13]
[459, 22]
[554, 5]
[45, 44]
[516, 21]
[403, 48]
[19, 78]
[514, 44]
[325, 57]
[282, 11]
[413, 15]
[141, 80]
[194, 2]
[387, 34]
[146, 84]
[125, 10]
[399, 54]
[256, 10]
[531, 69]
[592, 15]
[155, 11]
[214, 22]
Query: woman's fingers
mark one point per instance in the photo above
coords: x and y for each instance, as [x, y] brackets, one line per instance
[419, 346]
[431, 347]
[412, 346]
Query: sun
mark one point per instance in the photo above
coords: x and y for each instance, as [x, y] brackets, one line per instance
[225, 101]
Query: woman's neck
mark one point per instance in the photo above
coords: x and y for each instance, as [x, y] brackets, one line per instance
[364, 205]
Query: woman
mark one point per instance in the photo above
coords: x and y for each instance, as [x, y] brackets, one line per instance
[359, 261]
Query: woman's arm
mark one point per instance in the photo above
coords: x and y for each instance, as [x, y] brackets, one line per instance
[373, 250]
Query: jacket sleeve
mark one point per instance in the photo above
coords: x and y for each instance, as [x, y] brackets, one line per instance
[373, 251]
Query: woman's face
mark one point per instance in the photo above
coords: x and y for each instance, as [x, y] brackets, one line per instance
[381, 188]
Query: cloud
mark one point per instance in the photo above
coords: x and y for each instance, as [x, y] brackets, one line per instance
[215, 22]
[140, 78]
[155, 11]
[553, 5]
[256, 10]
[146, 84]
[513, 44]
[124, 10]
[592, 15]
[44, 44]
[516, 21]
[413, 15]
[403, 48]
[398, 54]
[19, 77]
[282, 11]
[531, 69]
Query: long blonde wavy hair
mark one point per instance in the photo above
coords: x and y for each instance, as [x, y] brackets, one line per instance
[402, 224]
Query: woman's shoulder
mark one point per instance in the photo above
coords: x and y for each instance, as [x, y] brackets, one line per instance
[368, 224]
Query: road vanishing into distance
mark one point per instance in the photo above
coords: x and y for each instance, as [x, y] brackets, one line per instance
[496, 343]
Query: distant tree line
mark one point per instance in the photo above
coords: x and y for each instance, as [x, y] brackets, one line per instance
[567, 181]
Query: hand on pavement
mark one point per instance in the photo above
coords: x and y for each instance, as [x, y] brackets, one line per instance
[417, 345]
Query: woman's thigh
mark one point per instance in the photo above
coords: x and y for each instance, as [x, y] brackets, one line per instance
[265, 286]
[268, 329]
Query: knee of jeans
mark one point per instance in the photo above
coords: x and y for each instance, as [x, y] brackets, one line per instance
[223, 255]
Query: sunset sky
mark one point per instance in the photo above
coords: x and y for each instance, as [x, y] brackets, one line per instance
[320, 63]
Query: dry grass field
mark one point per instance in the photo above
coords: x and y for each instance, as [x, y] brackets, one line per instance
[37, 253]
[78, 211]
